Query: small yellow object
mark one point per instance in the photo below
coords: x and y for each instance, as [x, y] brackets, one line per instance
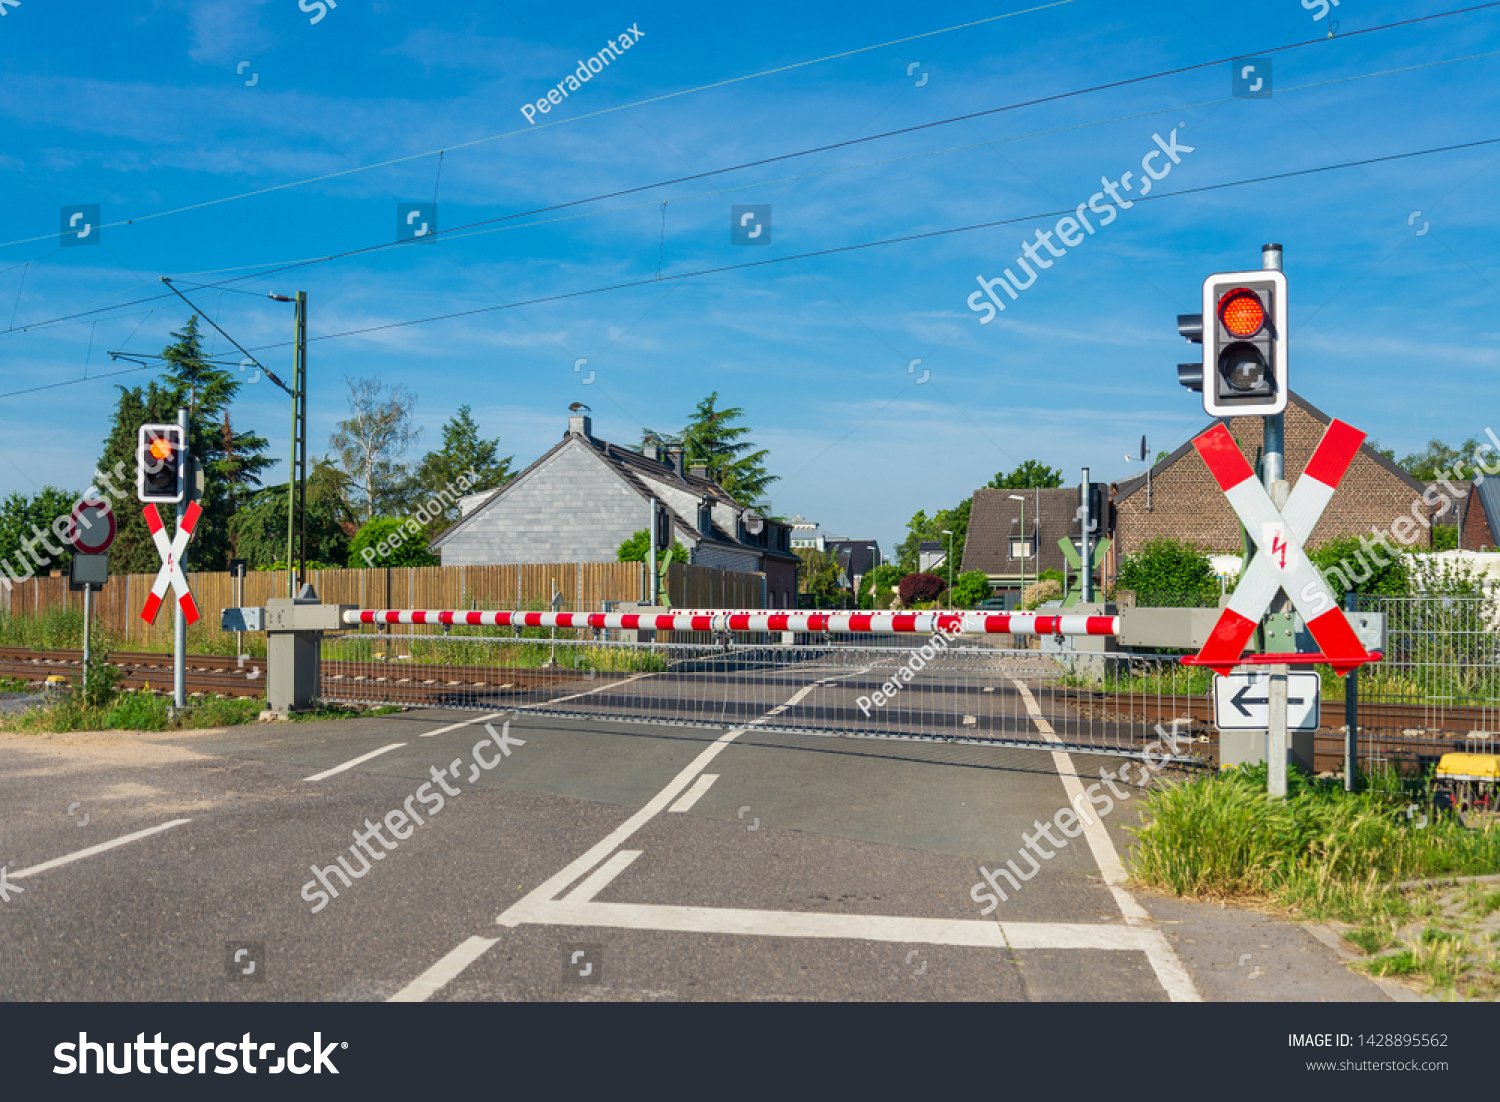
[1470, 767]
[57, 681]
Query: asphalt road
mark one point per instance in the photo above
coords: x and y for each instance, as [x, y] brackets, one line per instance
[576, 858]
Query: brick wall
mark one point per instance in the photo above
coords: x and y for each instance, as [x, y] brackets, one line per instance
[1188, 504]
[1477, 534]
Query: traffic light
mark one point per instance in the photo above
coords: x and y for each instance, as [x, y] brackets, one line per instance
[161, 464]
[1243, 333]
[663, 534]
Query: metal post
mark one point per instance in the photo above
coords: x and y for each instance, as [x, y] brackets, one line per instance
[1351, 718]
[88, 619]
[301, 403]
[1274, 475]
[651, 551]
[1276, 751]
[179, 618]
[1088, 560]
[291, 487]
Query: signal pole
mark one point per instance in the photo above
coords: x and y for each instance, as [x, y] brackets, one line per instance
[1273, 474]
[179, 618]
[297, 467]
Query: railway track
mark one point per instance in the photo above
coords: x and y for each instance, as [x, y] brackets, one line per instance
[229, 676]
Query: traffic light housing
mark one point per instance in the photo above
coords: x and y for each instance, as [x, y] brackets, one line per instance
[663, 533]
[161, 464]
[1243, 333]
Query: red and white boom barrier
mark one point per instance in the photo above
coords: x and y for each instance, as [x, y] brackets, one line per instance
[874, 623]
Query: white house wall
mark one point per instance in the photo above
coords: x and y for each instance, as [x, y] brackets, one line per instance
[572, 508]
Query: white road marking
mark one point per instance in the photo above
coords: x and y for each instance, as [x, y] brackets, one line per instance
[351, 764]
[601, 688]
[694, 794]
[100, 848]
[1164, 961]
[972, 932]
[431, 981]
[465, 723]
[600, 878]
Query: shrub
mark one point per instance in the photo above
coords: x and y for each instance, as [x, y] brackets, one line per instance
[1167, 573]
[404, 543]
[1047, 589]
[917, 588]
[971, 588]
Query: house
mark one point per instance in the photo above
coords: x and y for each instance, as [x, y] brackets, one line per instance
[932, 555]
[1183, 501]
[1013, 541]
[1479, 516]
[807, 533]
[856, 558]
[586, 496]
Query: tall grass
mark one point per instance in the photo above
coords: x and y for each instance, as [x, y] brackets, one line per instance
[1321, 850]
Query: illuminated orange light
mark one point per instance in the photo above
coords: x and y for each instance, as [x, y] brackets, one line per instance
[1241, 312]
[161, 448]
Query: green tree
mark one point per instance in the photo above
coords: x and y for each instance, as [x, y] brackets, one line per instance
[712, 438]
[231, 461]
[922, 528]
[1030, 475]
[875, 588]
[258, 529]
[969, 589]
[638, 548]
[1347, 565]
[818, 575]
[1168, 573]
[21, 518]
[462, 452]
[391, 541]
[370, 445]
[1440, 461]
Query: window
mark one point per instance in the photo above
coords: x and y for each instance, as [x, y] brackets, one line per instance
[1022, 548]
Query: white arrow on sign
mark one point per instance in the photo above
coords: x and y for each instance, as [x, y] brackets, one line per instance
[1242, 701]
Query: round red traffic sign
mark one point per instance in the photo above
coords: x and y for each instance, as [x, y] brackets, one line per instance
[93, 526]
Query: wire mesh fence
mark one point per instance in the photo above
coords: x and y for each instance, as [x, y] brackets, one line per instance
[1438, 688]
[1102, 703]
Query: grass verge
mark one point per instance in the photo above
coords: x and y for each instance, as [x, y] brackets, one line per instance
[149, 711]
[1324, 854]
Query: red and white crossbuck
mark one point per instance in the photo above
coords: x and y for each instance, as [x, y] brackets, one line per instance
[1280, 562]
[171, 559]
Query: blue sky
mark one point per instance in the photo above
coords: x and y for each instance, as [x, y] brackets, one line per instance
[141, 108]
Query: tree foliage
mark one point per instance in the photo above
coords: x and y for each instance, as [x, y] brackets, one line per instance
[1441, 461]
[713, 439]
[877, 587]
[1168, 573]
[391, 541]
[1347, 565]
[231, 461]
[920, 587]
[970, 588]
[259, 528]
[921, 529]
[371, 444]
[819, 574]
[1030, 475]
[463, 451]
[21, 517]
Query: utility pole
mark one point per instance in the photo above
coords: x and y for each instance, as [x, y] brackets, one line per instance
[1088, 551]
[297, 468]
[179, 618]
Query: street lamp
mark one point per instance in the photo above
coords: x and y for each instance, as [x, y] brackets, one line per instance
[1022, 500]
[950, 566]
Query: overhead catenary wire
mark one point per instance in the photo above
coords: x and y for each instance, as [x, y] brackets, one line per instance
[278, 267]
[888, 241]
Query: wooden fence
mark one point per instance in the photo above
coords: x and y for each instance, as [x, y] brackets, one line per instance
[584, 587]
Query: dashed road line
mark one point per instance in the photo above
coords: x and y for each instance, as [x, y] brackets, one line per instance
[429, 982]
[694, 794]
[92, 850]
[351, 764]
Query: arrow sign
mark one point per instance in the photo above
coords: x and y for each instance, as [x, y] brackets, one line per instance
[1239, 700]
[1242, 701]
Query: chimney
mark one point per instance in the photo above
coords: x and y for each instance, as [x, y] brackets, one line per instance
[674, 458]
[699, 470]
[651, 449]
[580, 424]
